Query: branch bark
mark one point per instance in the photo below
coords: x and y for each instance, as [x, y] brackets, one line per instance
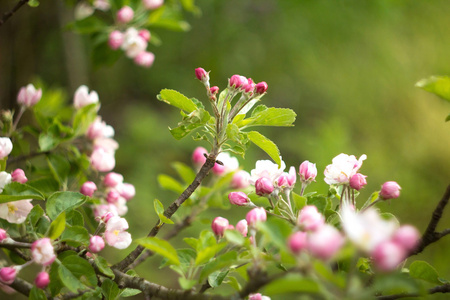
[10, 13]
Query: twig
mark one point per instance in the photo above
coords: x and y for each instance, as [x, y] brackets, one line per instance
[22, 286]
[9, 14]
[27, 156]
[208, 165]
[430, 235]
[14, 245]
[437, 289]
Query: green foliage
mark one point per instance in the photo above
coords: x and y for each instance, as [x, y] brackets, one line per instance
[76, 273]
[159, 208]
[266, 145]
[161, 247]
[424, 271]
[63, 201]
[439, 85]
[57, 226]
[177, 99]
[16, 191]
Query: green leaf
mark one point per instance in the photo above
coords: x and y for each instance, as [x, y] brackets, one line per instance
[275, 231]
[194, 120]
[75, 218]
[162, 247]
[37, 294]
[33, 3]
[84, 118]
[76, 234]
[177, 99]
[102, 265]
[169, 183]
[76, 273]
[216, 278]
[17, 191]
[448, 118]
[235, 237]
[185, 172]
[439, 85]
[63, 201]
[129, 292]
[299, 201]
[265, 144]
[46, 185]
[269, 117]
[60, 167]
[110, 289]
[57, 226]
[223, 261]
[318, 201]
[87, 25]
[205, 254]
[291, 283]
[35, 214]
[424, 271]
[186, 284]
[159, 208]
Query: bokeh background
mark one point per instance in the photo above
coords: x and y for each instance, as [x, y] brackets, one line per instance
[347, 68]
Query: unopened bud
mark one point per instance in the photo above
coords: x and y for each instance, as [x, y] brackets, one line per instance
[390, 190]
[201, 75]
[29, 96]
[263, 186]
[96, 244]
[219, 225]
[297, 242]
[88, 188]
[358, 181]
[242, 227]
[125, 14]
[261, 87]
[237, 81]
[152, 4]
[238, 198]
[407, 236]
[115, 39]
[3, 234]
[145, 34]
[8, 275]
[145, 59]
[18, 175]
[307, 172]
[257, 214]
[42, 280]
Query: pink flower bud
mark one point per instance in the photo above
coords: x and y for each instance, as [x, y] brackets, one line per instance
[102, 160]
[8, 275]
[287, 180]
[257, 296]
[18, 175]
[307, 172]
[249, 86]
[218, 169]
[325, 242]
[127, 191]
[390, 190]
[115, 39]
[230, 227]
[112, 196]
[214, 90]
[406, 236]
[388, 255]
[88, 188]
[237, 81]
[240, 180]
[201, 75]
[261, 87]
[5, 147]
[145, 59]
[29, 96]
[198, 157]
[242, 227]
[310, 218]
[112, 179]
[238, 198]
[145, 34]
[42, 252]
[358, 181]
[219, 225]
[152, 4]
[3, 234]
[42, 280]
[257, 214]
[263, 186]
[107, 216]
[297, 242]
[96, 244]
[125, 14]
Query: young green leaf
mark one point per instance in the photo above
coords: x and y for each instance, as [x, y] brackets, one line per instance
[185, 172]
[76, 234]
[16, 191]
[63, 201]
[265, 144]
[424, 271]
[439, 85]
[162, 247]
[291, 283]
[177, 99]
[37, 294]
[102, 265]
[57, 226]
[110, 289]
[159, 208]
[76, 272]
[270, 117]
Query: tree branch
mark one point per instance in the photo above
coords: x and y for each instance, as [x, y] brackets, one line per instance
[22, 286]
[430, 235]
[437, 289]
[208, 165]
[9, 14]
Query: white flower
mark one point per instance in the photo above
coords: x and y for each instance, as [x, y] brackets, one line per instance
[133, 43]
[5, 178]
[367, 229]
[99, 129]
[230, 163]
[83, 10]
[102, 5]
[83, 98]
[5, 147]
[43, 252]
[343, 168]
[115, 233]
[16, 211]
[266, 168]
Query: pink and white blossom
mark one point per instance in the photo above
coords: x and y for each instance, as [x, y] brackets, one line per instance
[307, 172]
[5, 178]
[287, 180]
[8, 275]
[103, 210]
[42, 280]
[230, 164]
[325, 242]
[113, 179]
[102, 160]
[256, 215]
[310, 218]
[18, 175]
[145, 34]
[242, 227]
[388, 255]
[390, 190]
[29, 96]
[83, 98]
[407, 236]
[115, 39]
[152, 4]
[125, 14]
[115, 233]
[107, 144]
[240, 180]
[358, 181]
[15, 212]
[133, 44]
[144, 59]
[198, 157]
[6, 147]
[263, 186]
[42, 252]
[126, 190]
[99, 129]
[297, 242]
[268, 169]
[343, 168]
[103, 5]
[219, 225]
[96, 244]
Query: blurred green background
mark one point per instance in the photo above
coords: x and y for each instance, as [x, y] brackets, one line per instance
[347, 68]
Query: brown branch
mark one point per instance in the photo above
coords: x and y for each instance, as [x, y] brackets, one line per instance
[207, 166]
[437, 289]
[9, 14]
[22, 286]
[430, 235]
[11, 245]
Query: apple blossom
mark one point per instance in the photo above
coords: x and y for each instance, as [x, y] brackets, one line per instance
[115, 233]
[201, 75]
[390, 190]
[343, 167]
[88, 188]
[42, 280]
[219, 225]
[3, 234]
[287, 180]
[16, 211]
[96, 244]
[145, 34]
[102, 160]
[115, 39]
[145, 59]
[198, 157]
[133, 44]
[6, 147]
[104, 211]
[99, 129]
[230, 164]
[5, 178]
[125, 14]
[266, 168]
[307, 172]
[325, 242]
[297, 242]
[261, 87]
[29, 96]
[310, 218]
[406, 236]
[238, 198]
[152, 4]
[263, 186]
[113, 179]
[240, 180]
[107, 144]
[103, 5]
[358, 181]
[214, 90]
[388, 255]
[242, 227]
[42, 252]
[257, 296]
[8, 275]
[83, 98]
[83, 10]
[127, 191]
[18, 175]
[249, 87]
[255, 215]
[237, 81]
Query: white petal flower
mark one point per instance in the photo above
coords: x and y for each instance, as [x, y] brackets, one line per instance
[15, 212]
[266, 168]
[343, 168]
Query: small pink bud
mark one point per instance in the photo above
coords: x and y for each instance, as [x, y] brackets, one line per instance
[112, 179]
[3, 234]
[201, 75]
[145, 34]
[219, 225]
[218, 169]
[18, 175]
[307, 172]
[115, 39]
[240, 180]
[325, 242]
[102, 160]
[152, 4]
[127, 191]
[230, 227]
[242, 227]
[89, 254]
[113, 196]
[257, 296]
[42, 252]
[388, 255]
[249, 86]
[125, 14]
[42, 280]
[237, 81]
[107, 216]
[390, 190]
[310, 218]
[238, 198]
[406, 236]
[358, 181]
[261, 87]
[263, 186]
[198, 157]
[257, 214]
[88, 188]
[29, 96]
[145, 59]
[214, 90]
[8, 275]
[297, 242]
[96, 244]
